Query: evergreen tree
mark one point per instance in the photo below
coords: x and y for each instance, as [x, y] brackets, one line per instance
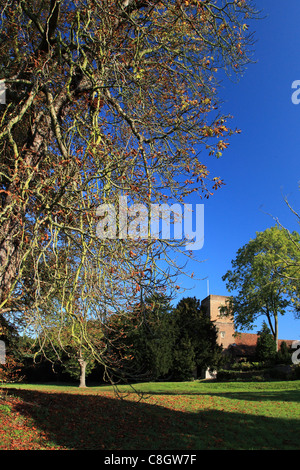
[196, 345]
[152, 341]
[266, 345]
[284, 355]
[184, 359]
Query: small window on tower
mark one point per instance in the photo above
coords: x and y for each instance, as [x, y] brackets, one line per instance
[222, 334]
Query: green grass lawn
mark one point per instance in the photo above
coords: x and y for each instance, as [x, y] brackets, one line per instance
[162, 416]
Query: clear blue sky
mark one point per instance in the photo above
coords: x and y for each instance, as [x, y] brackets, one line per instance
[262, 164]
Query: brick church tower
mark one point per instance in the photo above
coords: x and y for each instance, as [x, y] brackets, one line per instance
[224, 323]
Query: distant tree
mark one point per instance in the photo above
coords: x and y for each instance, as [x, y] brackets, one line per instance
[73, 347]
[266, 346]
[153, 340]
[262, 278]
[146, 341]
[78, 346]
[196, 339]
[284, 354]
[184, 360]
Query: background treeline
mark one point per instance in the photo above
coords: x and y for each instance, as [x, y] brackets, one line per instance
[159, 342]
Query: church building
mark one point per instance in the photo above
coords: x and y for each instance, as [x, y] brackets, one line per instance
[241, 345]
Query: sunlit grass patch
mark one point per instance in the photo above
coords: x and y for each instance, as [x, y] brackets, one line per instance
[184, 416]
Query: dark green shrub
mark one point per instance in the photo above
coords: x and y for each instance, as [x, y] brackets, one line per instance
[266, 345]
[284, 355]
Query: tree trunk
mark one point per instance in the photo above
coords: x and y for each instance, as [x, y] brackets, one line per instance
[276, 330]
[9, 257]
[83, 365]
[273, 328]
[30, 142]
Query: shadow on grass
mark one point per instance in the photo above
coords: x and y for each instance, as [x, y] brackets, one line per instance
[103, 422]
[248, 395]
[281, 395]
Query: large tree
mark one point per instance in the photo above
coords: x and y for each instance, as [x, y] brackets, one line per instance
[104, 98]
[258, 278]
[195, 347]
[153, 338]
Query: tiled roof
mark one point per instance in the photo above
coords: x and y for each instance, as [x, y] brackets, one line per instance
[245, 343]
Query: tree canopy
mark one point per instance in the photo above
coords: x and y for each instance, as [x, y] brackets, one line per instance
[195, 347]
[104, 98]
[263, 278]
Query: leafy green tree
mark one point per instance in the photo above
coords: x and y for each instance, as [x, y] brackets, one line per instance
[79, 343]
[71, 348]
[266, 346]
[260, 281]
[196, 339]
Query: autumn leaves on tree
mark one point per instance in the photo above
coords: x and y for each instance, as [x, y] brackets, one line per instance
[104, 98]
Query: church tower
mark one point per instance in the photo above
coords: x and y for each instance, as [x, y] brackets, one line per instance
[224, 323]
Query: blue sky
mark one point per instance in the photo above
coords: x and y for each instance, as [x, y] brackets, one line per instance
[262, 164]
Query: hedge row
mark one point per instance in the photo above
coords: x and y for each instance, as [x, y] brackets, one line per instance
[279, 372]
